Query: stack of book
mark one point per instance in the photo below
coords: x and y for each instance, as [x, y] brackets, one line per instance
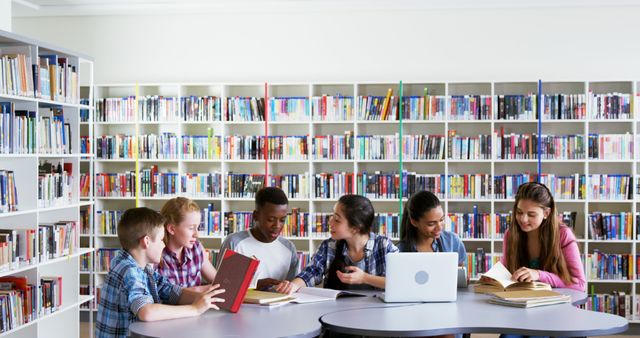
[530, 298]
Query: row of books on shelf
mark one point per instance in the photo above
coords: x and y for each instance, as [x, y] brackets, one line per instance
[22, 302]
[617, 303]
[18, 131]
[367, 107]
[55, 184]
[46, 76]
[22, 247]
[376, 185]
[610, 266]
[364, 147]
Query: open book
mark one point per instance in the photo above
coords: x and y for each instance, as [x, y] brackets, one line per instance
[498, 278]
[304, 295]
[311, 295]
[531, 298]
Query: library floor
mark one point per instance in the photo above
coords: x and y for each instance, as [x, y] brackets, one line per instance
[84, 333]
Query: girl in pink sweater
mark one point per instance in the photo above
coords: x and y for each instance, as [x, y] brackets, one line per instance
[536, 246]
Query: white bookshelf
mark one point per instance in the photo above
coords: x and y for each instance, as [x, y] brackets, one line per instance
[64, 321]
[492, 167]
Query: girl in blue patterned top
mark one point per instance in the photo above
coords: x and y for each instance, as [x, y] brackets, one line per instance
[353, 258]
[422, 228]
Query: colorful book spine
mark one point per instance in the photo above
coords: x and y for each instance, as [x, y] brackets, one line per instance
[54, 133]
[414, 182]
[237, 221]
[377, 147]
[610, 187]
[469, 186]
[553, 147]
[16, 77]
[201, 147]
[332, 185]
[244, 109]
[116, 109]
[470, 225]
[200, 109]
[387, 224]
[610, 147]
[243, 185]
[517, 107]
[104, 257]
[564, 107]
[289, 108]
[609, 266]
[296, 224]
[332, 108]
[617, 303]
[287, 147]
[377, 108]
[470, 107]
[423, 147]
[154, 108]
[115, 184]
[211, 222]
[501, 224]
[294, 185]
[610, 226]
[244, 147]
[8, 191]
[469, 148]
[334, 147]
[424, 108]
[480, 262]
[197, 184]
[17, 130]
[107, 221]
[611, 106]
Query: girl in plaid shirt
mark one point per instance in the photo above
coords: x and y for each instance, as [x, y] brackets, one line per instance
[354, 257]
[183, 261]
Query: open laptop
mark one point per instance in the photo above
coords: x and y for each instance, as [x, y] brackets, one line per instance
[421, 277]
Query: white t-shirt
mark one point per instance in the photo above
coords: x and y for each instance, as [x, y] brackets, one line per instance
[278, 259]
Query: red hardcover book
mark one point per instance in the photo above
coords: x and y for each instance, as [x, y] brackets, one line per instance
[234, 275]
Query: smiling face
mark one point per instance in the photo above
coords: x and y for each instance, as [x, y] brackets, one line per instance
[269, 221]
[339, 225]
[185, 234]
[530, 215]
[431, 223]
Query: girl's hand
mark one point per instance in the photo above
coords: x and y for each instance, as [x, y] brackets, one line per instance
[354, 275]
[526, 275]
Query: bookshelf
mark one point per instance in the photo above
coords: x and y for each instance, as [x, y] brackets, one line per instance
[41, 164]
[327, 117]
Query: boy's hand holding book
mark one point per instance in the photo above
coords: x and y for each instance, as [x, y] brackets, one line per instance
[207, 299]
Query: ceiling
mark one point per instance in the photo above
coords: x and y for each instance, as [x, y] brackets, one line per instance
[30, 8]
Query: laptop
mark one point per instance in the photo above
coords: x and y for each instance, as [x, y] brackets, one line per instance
[421, 277]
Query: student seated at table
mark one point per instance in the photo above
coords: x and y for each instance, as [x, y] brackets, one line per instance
[422, 228]
[133, 291]
[537, 247]
[354, 257]
[183, 260]
[278, 256]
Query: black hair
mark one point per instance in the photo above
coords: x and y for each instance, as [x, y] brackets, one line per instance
[273, 195]
[360, 215]
[419, 203]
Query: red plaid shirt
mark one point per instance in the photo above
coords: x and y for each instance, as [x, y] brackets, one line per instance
[186, 273]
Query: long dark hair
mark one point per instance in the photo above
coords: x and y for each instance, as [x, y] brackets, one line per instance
[551, 256]
[420, 203]
[360, 215]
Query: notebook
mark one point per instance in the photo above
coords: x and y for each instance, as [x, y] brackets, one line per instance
[234, 275]
[421, 277]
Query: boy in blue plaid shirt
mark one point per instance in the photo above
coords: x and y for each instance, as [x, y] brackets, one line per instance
[134, 291]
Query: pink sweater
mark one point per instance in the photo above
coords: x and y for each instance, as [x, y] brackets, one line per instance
[571, 255]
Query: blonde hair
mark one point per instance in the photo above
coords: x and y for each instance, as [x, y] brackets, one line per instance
[174, 212]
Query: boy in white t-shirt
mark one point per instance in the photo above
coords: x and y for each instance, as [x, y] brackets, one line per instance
[277, 255]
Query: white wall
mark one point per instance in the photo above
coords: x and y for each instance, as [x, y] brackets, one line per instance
[5, 15]
[305, 46]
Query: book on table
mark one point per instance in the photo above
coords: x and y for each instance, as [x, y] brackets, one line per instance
[302, 296]
[498, 278]
[529, 298]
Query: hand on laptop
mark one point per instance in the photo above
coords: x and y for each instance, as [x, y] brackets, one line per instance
[353, 275]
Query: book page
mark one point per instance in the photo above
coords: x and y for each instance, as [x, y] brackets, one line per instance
[500, 274]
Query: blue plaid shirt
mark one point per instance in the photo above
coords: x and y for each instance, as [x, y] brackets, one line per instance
[374, 258]
[127, 288]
